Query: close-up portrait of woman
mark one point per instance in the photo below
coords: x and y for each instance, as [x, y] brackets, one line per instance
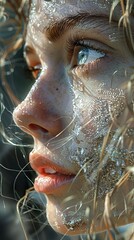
[67, 113]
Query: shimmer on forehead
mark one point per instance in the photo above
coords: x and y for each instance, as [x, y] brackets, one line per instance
[59, 8]
[76, 2]
[43, 13]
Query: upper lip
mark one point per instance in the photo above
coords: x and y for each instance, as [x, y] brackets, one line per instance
[40, 163]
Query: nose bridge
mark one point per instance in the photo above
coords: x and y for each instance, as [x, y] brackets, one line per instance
[45, 105]
[47, 86]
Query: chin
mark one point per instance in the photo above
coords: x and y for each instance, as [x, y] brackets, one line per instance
[61, 220]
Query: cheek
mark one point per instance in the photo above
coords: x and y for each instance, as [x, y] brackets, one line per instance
[93, 112]
[93, 118]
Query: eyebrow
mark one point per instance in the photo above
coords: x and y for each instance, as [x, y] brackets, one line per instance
[56, 29]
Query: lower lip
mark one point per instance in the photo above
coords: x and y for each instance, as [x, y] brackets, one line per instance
[47, 183]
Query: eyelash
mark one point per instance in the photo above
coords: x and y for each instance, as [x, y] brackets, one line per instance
[74, 42]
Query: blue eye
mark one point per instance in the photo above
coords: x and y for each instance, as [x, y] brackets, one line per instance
[87, 55]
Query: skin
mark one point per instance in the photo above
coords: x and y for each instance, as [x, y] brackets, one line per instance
[72, 104]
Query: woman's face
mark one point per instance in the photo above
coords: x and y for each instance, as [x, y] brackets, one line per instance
[78, 95]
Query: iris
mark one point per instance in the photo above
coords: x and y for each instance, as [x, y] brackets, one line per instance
[87, 55]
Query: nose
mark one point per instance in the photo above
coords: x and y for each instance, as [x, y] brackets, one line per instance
[46, 110]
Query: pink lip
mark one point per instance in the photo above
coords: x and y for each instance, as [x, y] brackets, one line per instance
[49, 182]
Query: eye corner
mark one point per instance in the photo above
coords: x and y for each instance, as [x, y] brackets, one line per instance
[35, 70]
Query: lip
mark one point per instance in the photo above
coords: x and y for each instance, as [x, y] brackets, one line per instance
[48, 182]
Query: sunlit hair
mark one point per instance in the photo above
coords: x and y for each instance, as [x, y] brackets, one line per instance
[21, 10]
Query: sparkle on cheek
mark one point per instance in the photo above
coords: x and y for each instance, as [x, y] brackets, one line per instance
[88, 134]
[73, 216]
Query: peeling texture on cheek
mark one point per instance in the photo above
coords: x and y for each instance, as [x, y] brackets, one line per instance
[73, 218]
[93, 117]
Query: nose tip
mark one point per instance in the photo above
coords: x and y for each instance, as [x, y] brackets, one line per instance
[37, 121]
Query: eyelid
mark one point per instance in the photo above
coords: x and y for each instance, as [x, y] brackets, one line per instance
[89, 44]
[77, 41]
[75, 44]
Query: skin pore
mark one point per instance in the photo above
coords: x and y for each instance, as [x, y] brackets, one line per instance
[80, 63]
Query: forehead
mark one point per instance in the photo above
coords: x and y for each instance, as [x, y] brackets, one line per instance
[72, 2]
[57, 9]
[45, 14]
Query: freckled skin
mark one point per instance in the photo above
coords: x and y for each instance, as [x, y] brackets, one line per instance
[78, 115]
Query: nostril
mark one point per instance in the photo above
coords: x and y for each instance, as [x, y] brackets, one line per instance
[34, 127]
